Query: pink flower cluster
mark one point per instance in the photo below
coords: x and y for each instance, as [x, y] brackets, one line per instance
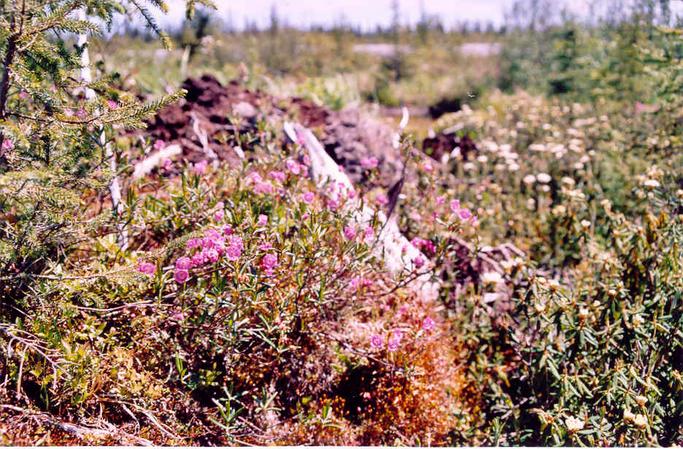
[349, 232]
[336, 195]
[424, 245]
[208, 250]
[258, 185]
[200, 167]
[463, 213]
[359, 281]
[369, 163]
[147, 268]
[308, 197]
[395, 337]
[219, 213]
[294, 167]
[377, 342]
[428, 324]
[268, 263]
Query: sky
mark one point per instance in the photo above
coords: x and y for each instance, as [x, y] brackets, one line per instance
[368, 13]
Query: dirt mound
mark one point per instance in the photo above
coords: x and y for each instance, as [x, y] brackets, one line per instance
[208, 120]
[444, 143]
[353, 135]
[211, 117]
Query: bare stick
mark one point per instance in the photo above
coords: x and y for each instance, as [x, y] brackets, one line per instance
[90, 95]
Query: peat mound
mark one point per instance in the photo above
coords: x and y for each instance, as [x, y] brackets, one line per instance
[209, 121]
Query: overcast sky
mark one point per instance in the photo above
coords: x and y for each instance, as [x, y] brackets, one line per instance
[368, 13]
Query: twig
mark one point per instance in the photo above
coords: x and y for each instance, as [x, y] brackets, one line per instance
[82, 432]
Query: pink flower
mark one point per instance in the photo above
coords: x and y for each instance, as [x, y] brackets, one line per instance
[167, 164]
[427, 166]
[425, 245]
[227, 230]
[465, 214]
[218, 215]
[268, 263]
[23, 95]
[200, 167]
[369, 234]
[7, 144]
[81, 113]
[332, 203]
[350, 232]
[277, 176]
[261, 188]
[418, 262]
[211, 255]
[193, 243]
[181, 276]
[375, 342]
[395, 341]
[293, 166]
[112, 104]
[159, 144]
[369, 163]
[254, 177]
[440, 200]
[211, 235]
[355, 283]
[382, 199]
[183, 263]
[265, 246]
[199, 259]
[147, 268]
[428, 324]
[235, 246]
[308, 197]
[262, 220]
[455, 206]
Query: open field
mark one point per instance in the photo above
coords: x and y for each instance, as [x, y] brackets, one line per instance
[411, 236]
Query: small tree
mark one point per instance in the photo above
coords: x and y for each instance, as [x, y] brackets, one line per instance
[56, 123]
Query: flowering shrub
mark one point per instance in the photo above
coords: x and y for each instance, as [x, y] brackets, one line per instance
[251, 305]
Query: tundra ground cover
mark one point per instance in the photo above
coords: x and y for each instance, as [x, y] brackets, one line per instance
[249, 304]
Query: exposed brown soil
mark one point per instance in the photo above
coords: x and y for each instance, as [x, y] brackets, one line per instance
[220, 114]
[443, 143]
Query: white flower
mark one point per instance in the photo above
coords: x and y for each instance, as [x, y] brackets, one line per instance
[492, 278]
[629, 416]
[574, 424]
[529, 179]
[637, 320]
[585, 224]
[651, 183]
[640, 420]
[568, 181]
[544, 178]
